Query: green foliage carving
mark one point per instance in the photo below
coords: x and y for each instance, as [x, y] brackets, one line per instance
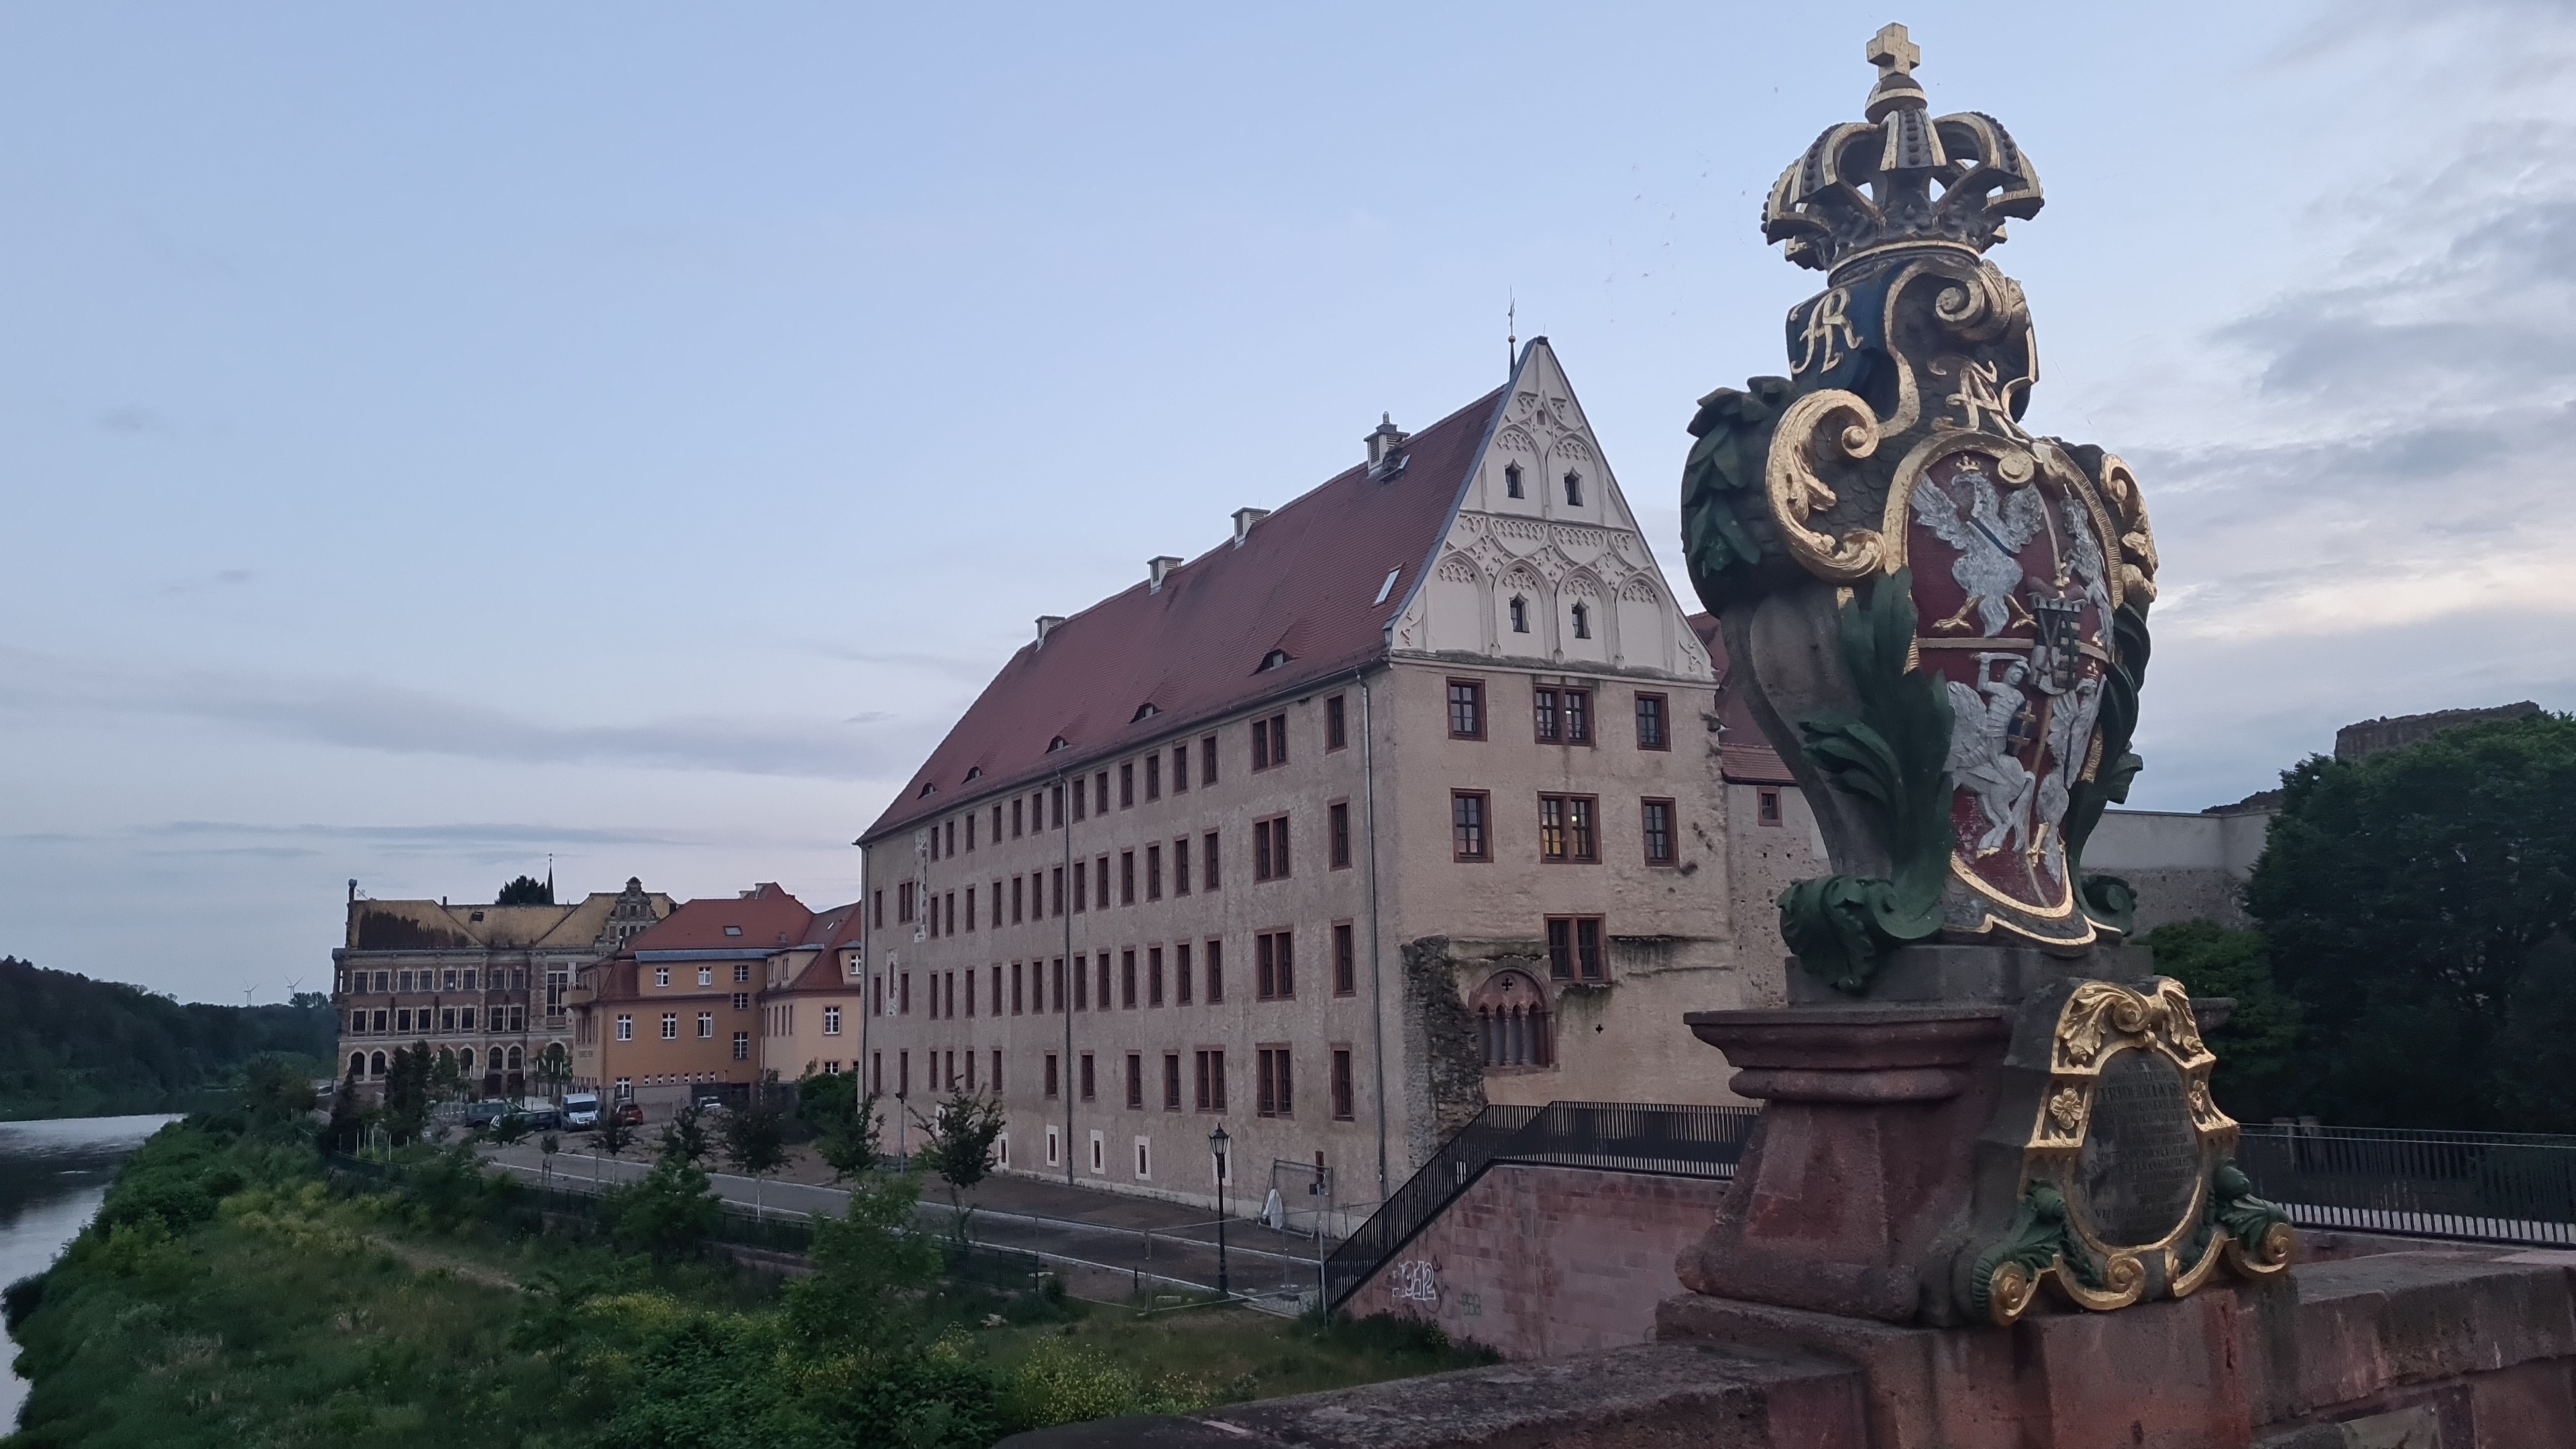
[2108, 899]
[2236, 1211]
[1727, 533]
[1894, 754]
[2039, 1236]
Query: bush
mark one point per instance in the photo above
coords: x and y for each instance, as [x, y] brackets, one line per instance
[667, 1214]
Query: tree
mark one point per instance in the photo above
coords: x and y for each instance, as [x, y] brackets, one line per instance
[405, 1109]
[685, 1140]
[957, 1144]
[2257, 1046]
[613, 1137]
[554, 1070]
[275, 1090]
[755, 1142]
[511, 1127]
[2409, 901]
[527, 890]
[667, 1214]
[845, 1124]
[348, 1118]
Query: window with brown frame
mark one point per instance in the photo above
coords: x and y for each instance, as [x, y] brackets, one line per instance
[1574, 948]
[1346, 972]
[1211, 1080]
[1337, 817]
[1566, 830]
[1270, 742]
[903, 903]
[1766, 807]
[1561, 716]
[1171, 1081]
[1270, 848]
[1274, 966]
[1467, 816]
[1466, 709]
[1342, 1094]
[1273, 1097]
[1337, 730]
[1655, 818]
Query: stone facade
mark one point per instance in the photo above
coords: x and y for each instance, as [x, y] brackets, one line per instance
[1536, 1261]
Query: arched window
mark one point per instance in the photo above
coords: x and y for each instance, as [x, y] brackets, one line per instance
[465, 1060]
[376, 1066]
[357, 1064]
[1573, 489]
[1512, 479]
[1512, 1021]
[514, 1059]
[1582, 622]
[1520, 615]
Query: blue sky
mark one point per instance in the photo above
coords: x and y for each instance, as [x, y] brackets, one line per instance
[434, 437]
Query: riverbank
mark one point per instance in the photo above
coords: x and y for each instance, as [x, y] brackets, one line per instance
[53, 1175]
[230, 1292]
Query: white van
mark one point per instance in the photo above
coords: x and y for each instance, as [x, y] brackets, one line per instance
[580, 1111]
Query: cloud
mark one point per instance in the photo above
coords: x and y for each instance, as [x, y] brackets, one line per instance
[363, 714]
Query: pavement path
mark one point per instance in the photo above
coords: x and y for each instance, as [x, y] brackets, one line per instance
[1146, 1242]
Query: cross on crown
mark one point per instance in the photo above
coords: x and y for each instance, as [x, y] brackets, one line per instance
[1893, 53]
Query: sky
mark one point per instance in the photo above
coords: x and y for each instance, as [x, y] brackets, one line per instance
[439, 439]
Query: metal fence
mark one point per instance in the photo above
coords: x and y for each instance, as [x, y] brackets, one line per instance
[1622, 1137]
[2500, 1187]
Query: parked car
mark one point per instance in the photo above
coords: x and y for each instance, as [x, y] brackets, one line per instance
[482, 1113]
[580, 1111]
[631, 1113]
[541, 1115]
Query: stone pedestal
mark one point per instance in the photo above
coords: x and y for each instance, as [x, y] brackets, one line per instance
[1854, 1192]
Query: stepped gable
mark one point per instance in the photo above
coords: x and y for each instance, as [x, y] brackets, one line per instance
[1744, 754]
[1306, 580]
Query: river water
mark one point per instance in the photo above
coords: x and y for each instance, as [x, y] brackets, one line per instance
[52, 1175]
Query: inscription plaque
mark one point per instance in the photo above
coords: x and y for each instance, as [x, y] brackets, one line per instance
[2140, 1167]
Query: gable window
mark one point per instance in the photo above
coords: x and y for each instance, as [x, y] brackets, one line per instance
[1657, 819]
[1766, 810]
[1270, 742]
[1582, 621]
[1565, 828]
[1270, 848]
[1336, 725]
[1512, 481]
[661, 975]
[1520, 614]
[1561, 716]
[1467, 826]
[1338, 819]
[1574, 948]
[1652, 733]
[1466, 709]
[1274, 966]
[1573, 489]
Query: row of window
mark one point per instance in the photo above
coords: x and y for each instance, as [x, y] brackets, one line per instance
[671, 1031]
[1573, 481]
[1569, 828]
[449, 979]
[1140, 978]
[1559, 715]
[1201, 1076]
[495, 1059]
[419, 1019]
[706, 975]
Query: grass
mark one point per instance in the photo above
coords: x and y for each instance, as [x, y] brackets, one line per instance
[1225, 1354]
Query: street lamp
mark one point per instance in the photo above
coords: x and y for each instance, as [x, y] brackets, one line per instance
[1216, 1146]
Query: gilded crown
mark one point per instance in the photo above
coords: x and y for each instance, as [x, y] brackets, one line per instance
[1902, 178]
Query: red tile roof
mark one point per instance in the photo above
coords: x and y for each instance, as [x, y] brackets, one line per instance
[1307, 581]
[766, 918]
[1743, 754]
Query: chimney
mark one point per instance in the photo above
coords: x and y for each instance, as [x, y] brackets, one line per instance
[1048, 624]
[353, 890]
[1383, 440]
[1244, 518]
[1155, 568]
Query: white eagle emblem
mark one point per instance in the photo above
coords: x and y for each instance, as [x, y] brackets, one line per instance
[1988, 531]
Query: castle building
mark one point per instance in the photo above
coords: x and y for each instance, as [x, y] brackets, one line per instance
[1405, 799]
[487, 986]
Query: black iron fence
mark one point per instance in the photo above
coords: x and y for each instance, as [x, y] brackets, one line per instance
[1622, 1137]
[2501, 1187]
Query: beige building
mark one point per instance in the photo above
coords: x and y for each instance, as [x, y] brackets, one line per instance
[1405, 799]
[813, 999]
[485, 985]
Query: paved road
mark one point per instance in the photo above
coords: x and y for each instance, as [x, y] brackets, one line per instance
[1135, 1244]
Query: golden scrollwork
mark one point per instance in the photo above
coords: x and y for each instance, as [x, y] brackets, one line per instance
[1797, 494]
[2103, 1012]
[2128, 510]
